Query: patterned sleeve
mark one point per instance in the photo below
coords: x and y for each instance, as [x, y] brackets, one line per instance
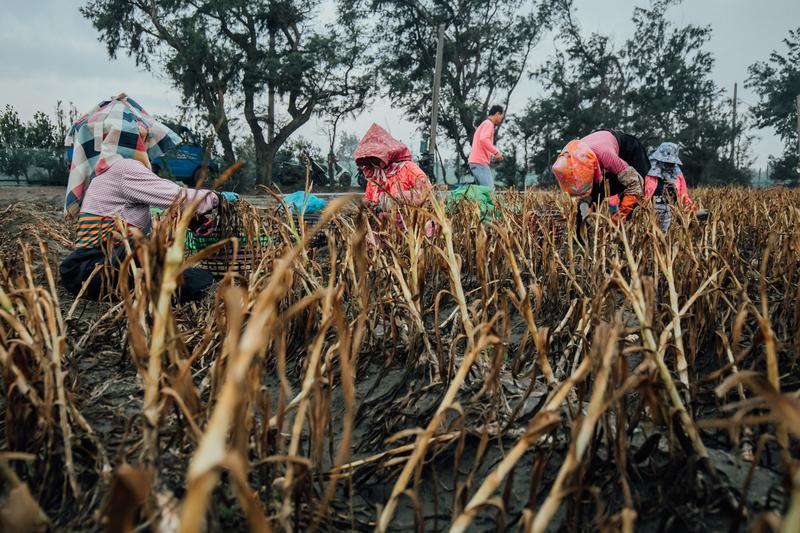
[141, 186]
[632, 181]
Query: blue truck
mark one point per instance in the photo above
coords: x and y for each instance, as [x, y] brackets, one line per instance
[182, 163]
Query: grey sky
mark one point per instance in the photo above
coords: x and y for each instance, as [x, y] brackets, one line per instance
[49, 52]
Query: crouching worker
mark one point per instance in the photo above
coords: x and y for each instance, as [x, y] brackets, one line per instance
[665, 185]
[603, 163]
[392, 177]
[111, 177]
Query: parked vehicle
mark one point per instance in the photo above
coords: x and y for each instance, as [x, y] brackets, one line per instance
[185, 162]
[290, 171]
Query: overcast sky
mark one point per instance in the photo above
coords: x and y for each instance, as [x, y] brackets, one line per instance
[49, 52]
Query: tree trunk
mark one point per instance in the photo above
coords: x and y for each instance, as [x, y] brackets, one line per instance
[331, 156]
[224, 136]
[265, 156]
[331, 169]
[218, 120]
[267, 150]
[263, 171]
[269, 162]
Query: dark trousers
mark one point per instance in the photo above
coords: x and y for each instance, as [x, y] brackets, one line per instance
[76, 268]
[632, 151]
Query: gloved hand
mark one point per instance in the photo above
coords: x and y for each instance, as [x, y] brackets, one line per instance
[632, 181]
[206, 225]
[625, 207]
[230, 196]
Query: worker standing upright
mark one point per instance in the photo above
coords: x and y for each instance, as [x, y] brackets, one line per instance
[483, 149]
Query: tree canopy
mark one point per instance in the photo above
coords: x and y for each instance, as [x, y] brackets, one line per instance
[486, 53]
[657, 85]
[777, 82]
[35, 144]
[240, 54]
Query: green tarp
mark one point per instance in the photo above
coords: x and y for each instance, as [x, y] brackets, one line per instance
[479, 194]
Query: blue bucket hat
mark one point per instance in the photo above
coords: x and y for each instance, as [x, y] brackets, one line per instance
[666, 153]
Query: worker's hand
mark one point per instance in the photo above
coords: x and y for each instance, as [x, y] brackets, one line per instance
[204, 225]
[498, 156]
[584, 209]
[627, 205]
[230, 196]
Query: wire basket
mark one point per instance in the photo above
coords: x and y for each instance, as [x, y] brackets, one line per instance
[223, 260]
[309, 220]
[552, 220]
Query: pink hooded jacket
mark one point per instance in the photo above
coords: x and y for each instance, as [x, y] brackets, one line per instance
[651, 182]
[650, 185]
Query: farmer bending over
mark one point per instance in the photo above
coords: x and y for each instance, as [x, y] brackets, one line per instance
[391, 174]
[392, 177]
[110, 177]
[665, 184]
[483, 149]
[603, 159]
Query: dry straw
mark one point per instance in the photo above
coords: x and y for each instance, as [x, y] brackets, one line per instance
[361, 374]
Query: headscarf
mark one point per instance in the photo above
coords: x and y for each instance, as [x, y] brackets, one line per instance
[380, 155]
[664, 163]
[118, 128]
[381, 158]
[576, 168]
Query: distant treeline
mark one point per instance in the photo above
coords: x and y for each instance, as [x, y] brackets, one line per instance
[253, 79]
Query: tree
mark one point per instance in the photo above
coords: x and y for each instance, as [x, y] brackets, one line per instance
[43, 149]
[40, 132]
[218, 51]
[777, 82]
[487, 45]
[357, 99]
[656, 85]
[32, 147]
[13, 160]
[12, 131]
[347, 146]
[510, 172]
[64, 119]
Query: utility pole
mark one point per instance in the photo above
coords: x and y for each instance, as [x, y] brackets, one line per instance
[437, 83]
[798, 132]
[733, 128]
